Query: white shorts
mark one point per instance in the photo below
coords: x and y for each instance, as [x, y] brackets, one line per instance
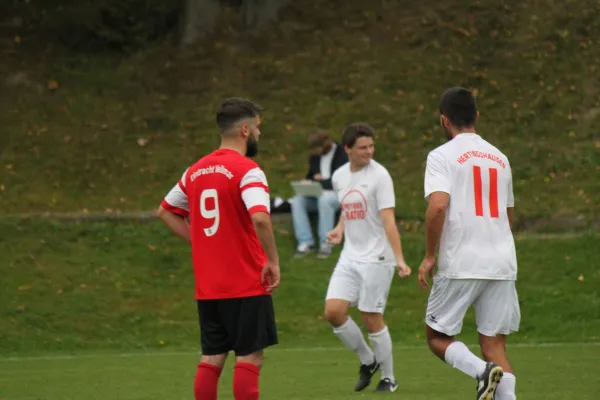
[365, 285]
[496, 305]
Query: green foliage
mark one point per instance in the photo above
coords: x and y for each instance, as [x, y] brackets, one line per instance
[91, 25]
[117, 132]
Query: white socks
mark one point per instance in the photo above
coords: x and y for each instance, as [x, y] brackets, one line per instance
[460, 357]
[506, 387]
[382, 344]
[350, 334]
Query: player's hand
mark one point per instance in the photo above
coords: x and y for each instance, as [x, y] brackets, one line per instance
[335, 236]
[317, 177]
[426, 269]
[270, 275]
[403, 270]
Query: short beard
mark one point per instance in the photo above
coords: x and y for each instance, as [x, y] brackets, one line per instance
[251, 147]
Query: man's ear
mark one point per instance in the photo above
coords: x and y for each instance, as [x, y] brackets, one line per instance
[244, 130]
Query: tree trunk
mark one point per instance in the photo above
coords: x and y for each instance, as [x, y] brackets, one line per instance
[259, 13]
[200, 19]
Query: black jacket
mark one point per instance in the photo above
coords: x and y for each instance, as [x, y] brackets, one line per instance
[314, 165]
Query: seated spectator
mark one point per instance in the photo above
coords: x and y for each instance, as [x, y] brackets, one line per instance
[326, 156]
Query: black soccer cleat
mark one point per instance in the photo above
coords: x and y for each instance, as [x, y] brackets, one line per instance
[387, 385]
[365, 374]
[488, 382]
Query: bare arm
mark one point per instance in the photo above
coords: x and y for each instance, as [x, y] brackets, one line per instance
[435, 216]
[391, 231]
[264, 231]
[176, 223]
[340, 224]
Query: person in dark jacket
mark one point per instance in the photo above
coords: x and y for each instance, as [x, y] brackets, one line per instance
[326, 156]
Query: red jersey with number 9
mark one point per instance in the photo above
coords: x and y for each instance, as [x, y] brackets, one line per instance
[219, 193]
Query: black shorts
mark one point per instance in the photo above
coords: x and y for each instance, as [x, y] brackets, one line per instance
[244, 325]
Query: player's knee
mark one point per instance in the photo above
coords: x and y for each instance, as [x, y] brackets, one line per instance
[255, 358]
[335, 315]
[216, 360]
[436, 339]
[373, 322]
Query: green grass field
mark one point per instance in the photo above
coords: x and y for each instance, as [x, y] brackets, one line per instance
[105, 310]
[567, 372]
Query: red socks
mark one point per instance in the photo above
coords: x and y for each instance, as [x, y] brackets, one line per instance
[207, 379]
[245, 381]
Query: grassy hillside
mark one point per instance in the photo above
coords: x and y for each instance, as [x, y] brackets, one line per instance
[71, 287]
[97, 132]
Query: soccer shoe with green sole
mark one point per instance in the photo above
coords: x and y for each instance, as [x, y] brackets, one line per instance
[365, 374]
[387, 385]
[488, 382]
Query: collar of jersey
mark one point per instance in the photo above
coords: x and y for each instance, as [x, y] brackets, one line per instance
[466, 134]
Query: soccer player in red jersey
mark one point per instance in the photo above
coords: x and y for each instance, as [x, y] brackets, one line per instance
[226, 198]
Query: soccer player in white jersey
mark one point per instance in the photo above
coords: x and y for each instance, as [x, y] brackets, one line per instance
[468, 183]
[371, 253]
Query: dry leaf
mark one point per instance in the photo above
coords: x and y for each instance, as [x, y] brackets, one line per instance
[142, 142]
[18, 39]
[9, 167]
[151, 247]
[83, 286]
[59, 291]
[580, 278]
[52, 85]
[288, 127]
[24, 287]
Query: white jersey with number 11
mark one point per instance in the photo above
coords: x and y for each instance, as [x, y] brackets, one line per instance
[477, 241]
